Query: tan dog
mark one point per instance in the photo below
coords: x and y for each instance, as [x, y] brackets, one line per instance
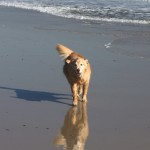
[77, 71]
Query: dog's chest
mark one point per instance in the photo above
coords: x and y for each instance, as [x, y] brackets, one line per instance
[81, 81]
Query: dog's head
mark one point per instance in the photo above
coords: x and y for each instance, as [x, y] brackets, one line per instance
[79, 65]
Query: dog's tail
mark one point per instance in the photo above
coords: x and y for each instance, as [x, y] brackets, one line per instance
[63, 51]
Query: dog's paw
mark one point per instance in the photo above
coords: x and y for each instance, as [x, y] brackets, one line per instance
[84, 99]
[75, 103]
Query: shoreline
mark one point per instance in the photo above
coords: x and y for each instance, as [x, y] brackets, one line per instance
[35, 96]
[63, 11]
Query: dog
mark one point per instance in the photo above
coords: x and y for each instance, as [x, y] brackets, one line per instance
[77, 71]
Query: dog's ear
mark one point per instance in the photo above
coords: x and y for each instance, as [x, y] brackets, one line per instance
[68, 61]
[86, 60]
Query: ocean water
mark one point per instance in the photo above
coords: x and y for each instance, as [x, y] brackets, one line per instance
[94, 11]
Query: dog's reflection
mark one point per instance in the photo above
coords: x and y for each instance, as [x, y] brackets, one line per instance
[75, 130]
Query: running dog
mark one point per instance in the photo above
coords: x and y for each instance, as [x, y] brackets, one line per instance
[77, 71]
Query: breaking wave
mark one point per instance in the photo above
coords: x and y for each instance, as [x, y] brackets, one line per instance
[90, 12]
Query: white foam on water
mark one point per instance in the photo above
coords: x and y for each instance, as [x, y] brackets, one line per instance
[65, 11]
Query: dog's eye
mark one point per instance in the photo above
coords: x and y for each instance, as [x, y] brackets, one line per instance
[81, 64]
[75, 65]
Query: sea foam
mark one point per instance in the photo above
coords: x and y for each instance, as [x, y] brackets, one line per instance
[80, 13]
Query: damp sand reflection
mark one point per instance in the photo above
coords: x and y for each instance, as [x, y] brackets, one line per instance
[75, 130]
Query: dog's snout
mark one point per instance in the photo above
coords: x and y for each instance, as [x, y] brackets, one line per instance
[78, 70]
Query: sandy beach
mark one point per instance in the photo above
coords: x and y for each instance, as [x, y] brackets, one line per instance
[35, 98]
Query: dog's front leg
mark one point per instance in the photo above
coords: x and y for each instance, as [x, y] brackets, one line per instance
[85, 90]
[74, 89]
[80, 92]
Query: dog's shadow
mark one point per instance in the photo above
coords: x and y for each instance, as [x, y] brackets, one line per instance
[38, 96]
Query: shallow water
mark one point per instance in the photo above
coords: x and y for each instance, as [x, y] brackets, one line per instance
[121, 11]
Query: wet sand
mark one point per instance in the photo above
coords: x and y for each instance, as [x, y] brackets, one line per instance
[35, 99]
